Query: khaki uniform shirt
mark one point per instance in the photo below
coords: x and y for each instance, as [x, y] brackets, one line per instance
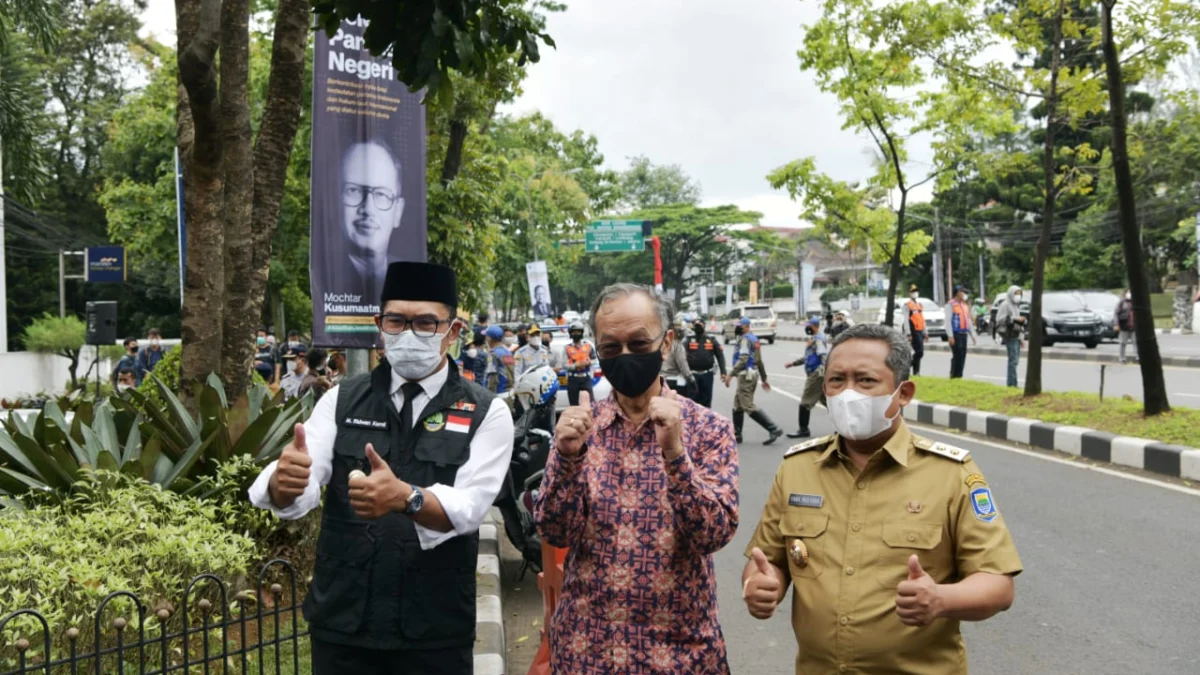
[914, 496]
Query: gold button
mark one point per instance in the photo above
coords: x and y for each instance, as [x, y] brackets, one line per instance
[845, 620]
[799, 526]
[842, 668]
[856, 527]
[912, 537]
[862, 486]
[850, 570]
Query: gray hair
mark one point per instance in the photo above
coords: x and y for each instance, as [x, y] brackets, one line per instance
[899, 358]
[663, 305]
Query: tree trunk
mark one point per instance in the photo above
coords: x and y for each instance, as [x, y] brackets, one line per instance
[1154, 388]
[894, 274]
[1033, 369]
[454, 151]
[251, 230]
[197, 125]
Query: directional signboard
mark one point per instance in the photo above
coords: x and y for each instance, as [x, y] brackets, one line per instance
[614, 236]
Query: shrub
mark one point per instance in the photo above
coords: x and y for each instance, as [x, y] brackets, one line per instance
[115, 533]
[168, 370]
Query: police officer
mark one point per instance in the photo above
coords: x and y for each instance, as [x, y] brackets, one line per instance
[890, 539]
[580, 363]
[411, 456]
[814, 371]
[500, 373]
[531, 355]
[703, 352]
[748, 367]
[914, 327]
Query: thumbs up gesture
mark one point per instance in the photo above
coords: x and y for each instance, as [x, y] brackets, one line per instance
[918, 598]
[574, 427]
[380, 493]
[292, 471]
[762, 588]
[667, 415]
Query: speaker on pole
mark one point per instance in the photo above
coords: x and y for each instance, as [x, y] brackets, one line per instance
[102, 323]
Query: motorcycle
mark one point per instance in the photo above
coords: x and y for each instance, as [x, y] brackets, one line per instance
[534, 398]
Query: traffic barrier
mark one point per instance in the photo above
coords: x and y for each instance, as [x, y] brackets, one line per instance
[550, 581]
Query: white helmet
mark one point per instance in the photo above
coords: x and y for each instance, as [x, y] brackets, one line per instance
[537, 387]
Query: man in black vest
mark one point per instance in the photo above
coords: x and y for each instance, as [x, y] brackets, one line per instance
[703, 353]
[413, 456]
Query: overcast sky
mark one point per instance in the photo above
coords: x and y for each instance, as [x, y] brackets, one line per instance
[711, 85]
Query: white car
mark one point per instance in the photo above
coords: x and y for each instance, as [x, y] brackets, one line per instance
[572, 317]
[935, 317]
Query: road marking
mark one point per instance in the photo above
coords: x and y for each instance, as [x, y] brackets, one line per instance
[790, 377]
[1058, 460]
[1188, 395]
[989, 377]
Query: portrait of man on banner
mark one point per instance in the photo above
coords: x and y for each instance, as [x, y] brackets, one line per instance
[539, 289]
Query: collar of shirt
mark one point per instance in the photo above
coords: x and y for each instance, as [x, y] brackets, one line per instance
[430, 386]
[897, 446]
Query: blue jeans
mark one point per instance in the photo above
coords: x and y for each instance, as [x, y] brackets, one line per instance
[1014, 357]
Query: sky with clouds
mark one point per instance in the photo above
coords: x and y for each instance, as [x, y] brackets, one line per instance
[711, 85]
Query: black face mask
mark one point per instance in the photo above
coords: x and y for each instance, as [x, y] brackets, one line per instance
[576, 337]
[698, 329]
[632, 374]
[739, 330]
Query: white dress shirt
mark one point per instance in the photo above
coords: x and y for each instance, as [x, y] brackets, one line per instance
[476, 483]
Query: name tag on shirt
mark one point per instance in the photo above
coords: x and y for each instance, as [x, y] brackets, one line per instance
[360, 423]
[810, 501]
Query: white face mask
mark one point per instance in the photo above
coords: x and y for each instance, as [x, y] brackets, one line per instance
[536, 342]
[858, 416]
[913, 296]
[472, 353]
[510, 341]
[413, 357]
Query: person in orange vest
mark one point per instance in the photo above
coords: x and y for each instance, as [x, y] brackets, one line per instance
[914, 327]
[959, 330]
[581, 363]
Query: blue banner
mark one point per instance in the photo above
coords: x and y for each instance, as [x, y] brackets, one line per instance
[106, 265]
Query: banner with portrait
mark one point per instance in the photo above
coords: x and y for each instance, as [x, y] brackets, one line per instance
[539, 289]
[368, 185]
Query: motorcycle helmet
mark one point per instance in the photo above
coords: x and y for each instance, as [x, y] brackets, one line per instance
[537, 387]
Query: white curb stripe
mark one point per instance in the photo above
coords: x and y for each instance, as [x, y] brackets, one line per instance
[1018, 429]
[1069, 440]
[487, 609]
[489, 664]
[941, 414]
[488, 564]
[1189, 464]
[977, 422]
[488, 531]
[1129, 451]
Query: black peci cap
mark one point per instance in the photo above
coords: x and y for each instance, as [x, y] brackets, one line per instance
[422, 282]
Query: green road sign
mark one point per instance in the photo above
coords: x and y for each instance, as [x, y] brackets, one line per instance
[614, 236]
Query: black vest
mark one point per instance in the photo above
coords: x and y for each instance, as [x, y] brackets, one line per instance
[373, 586]
[699, 356]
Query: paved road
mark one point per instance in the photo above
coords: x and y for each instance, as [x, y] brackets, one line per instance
[1183, 384]
[1110, 579]
[1169, 345]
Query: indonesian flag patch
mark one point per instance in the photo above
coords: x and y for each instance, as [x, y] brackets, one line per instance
[458, 423]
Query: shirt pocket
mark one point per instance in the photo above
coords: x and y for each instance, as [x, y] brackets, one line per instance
[899, 540]
[809, 531]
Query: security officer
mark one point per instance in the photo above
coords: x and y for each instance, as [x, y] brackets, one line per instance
[703, 352]
[531, 355]
[500, 373]
[914, 327]
[890, 539]
[580, 357]
[411, 456]
[748, 367]
[814, 372]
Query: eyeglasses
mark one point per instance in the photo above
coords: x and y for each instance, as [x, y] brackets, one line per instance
[425, 325]
[611, 350]
[355, 195]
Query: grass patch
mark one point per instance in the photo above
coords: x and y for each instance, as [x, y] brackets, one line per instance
[1121, 416]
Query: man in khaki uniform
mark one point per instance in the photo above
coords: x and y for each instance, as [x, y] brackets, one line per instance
[890, 539]
[748, 367]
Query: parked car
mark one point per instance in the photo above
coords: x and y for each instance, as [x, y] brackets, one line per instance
[762, 322]
[571, 317]
[1104, 304]
[935, 317]
[1067, 319]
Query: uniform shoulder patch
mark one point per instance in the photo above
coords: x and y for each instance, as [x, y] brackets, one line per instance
[813, 444]
[942, 450]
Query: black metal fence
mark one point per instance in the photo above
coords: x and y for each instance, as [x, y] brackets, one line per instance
[255, 632]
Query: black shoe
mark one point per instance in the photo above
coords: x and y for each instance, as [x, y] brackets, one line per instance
[775, 435]
[803, 433]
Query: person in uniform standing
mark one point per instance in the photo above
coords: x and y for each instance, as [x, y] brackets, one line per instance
[499, 375]
[531, 355]
[814, 373]
[914, 327]
[960, 328]
[748, 367]
[703, 352]
[891, 540]
[581, 361]
[411, 457]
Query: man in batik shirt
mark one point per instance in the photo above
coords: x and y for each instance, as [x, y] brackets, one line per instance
[643, 489]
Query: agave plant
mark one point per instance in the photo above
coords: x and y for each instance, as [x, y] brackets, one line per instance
[165, 445]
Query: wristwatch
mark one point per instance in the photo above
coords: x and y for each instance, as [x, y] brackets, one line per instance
[415, 501]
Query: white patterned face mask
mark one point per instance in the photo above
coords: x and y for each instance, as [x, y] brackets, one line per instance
[857, 416]
[411, 356]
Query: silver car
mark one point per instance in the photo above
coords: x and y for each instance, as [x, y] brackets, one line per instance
[1104, 305]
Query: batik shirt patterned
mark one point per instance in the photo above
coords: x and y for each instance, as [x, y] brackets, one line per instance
[640, 592]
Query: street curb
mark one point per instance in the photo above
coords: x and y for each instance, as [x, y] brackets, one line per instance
[1176, 461]
[1168, 361]
[490, 654]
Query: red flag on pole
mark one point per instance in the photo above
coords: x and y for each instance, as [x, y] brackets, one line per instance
[657, 244]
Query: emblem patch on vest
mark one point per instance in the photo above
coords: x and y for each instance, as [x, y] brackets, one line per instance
[435, 422]
[463, 406]
[360, 423]
[458, 424]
